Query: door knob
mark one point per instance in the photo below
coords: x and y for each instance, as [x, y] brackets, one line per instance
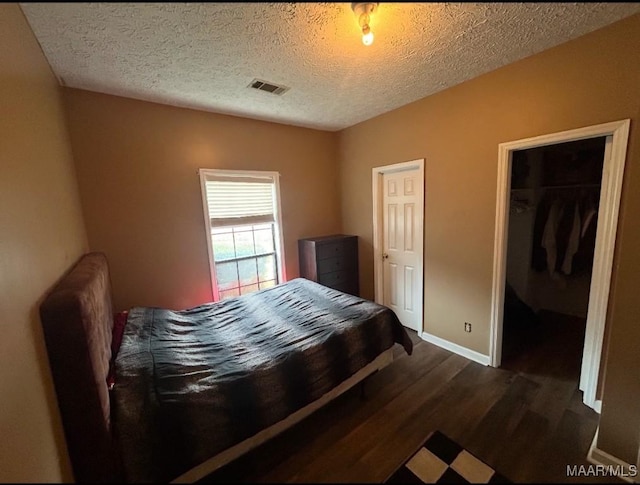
[385, 256]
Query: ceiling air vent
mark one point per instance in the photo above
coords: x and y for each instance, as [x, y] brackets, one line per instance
[268, 87]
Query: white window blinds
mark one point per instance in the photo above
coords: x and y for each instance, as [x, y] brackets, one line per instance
[234, 201]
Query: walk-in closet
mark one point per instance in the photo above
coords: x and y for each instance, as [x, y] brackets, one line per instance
[554, 201]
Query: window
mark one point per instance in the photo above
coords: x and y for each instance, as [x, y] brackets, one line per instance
[244, 236]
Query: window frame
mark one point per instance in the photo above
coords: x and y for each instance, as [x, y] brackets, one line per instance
[278, 233]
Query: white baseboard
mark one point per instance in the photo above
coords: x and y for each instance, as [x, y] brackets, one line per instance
[599, 457]
[597, 406]
[455, 348]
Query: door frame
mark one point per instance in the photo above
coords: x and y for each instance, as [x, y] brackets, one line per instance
[611, 187]
[376, 178]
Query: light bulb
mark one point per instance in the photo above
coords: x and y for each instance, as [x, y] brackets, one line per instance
[364, 10]
[367, 35]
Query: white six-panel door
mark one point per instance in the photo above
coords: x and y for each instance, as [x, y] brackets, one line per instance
[402, 227]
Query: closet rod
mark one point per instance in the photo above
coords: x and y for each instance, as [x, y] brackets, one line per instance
[577, 186]
[558, 187]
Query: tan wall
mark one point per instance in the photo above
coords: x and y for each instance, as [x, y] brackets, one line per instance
[619, 432]
[41, 236]
[591, 80]
[137, 168]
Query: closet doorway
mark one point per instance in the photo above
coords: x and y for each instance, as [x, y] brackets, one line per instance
[554, 193]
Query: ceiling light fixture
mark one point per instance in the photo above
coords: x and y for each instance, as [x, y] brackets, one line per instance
[363, 11]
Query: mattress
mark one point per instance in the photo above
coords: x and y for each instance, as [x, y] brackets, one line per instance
[192, 383]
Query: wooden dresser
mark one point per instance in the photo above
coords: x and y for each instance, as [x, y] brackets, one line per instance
[331, 261]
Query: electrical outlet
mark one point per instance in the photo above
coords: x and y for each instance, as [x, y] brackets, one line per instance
[467, 327]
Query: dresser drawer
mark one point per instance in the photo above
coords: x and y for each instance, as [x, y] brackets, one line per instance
[336, 278]
[329, 250]
[329, 265]
[347, 287]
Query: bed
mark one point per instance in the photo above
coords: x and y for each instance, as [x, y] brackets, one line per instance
[196, 388]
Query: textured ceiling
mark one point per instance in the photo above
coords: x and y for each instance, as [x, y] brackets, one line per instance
[203, 55]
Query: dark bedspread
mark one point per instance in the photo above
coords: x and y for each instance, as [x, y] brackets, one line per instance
[192, 383]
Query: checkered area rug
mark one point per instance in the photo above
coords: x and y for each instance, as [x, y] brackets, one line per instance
[442, 460]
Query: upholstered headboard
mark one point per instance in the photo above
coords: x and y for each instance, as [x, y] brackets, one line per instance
[77, 319]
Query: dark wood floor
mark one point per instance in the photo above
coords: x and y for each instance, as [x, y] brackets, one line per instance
[526, 419]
